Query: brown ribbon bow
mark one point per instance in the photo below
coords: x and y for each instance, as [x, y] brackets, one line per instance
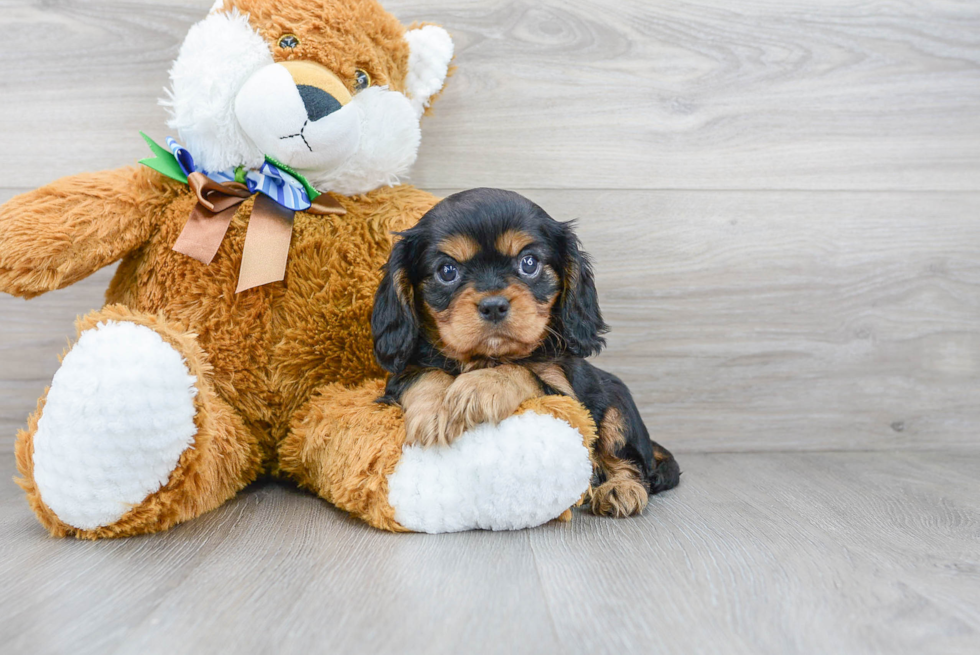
[270, 228]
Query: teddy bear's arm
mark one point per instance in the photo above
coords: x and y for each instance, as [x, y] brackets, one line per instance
[530, 468]
[62, 232]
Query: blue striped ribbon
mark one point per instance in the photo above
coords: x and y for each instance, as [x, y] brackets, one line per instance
[268, 179]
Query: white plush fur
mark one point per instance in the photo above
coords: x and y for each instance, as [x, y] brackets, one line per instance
[430, 51]
[270, 111]
[230, 106]
[519, 474]
[119, 413]
[217, 57]
[389, 145]
[371, 142]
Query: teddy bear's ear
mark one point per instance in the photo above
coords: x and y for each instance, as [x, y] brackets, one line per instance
[430, 51]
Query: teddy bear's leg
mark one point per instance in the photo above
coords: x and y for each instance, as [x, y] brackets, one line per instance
[131, 436]
[525, 471]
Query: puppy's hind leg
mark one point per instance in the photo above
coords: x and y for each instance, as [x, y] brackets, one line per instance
[623, 493]
[656, 465]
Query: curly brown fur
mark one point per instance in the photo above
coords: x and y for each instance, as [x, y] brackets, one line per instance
[63, 232]
[502, 297]
[342, 35]
[343, 446]
[268, 349]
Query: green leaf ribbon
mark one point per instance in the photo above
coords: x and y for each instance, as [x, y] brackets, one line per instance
[165, 163]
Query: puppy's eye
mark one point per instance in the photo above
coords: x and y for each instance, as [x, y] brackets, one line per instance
[529, 266]
[447, 273]
[288, 41]
[361, 80]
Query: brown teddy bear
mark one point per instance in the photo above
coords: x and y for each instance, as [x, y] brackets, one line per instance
[235, 340]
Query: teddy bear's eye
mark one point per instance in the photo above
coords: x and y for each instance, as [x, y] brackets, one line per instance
[288, 41]
[361, 80]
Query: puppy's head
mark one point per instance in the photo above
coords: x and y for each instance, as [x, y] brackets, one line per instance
[486, 275]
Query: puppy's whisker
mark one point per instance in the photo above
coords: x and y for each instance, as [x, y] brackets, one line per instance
[557, 335]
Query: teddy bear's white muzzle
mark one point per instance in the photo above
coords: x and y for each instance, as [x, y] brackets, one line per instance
[301, 126]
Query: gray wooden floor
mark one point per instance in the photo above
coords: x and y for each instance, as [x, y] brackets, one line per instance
[783, 203]
[754, 553]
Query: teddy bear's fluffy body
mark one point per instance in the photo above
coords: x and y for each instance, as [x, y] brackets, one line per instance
[283, 375]
[262, 353]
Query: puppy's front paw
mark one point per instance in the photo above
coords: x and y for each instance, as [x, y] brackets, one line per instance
[484, 396]
[422, 405]
[462, 408]
[422, 429]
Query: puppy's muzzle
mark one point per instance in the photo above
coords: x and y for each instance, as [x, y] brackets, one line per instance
[494, 309]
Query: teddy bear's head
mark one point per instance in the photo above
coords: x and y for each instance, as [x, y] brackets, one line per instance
[333, 89]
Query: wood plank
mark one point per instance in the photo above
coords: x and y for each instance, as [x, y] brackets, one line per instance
[777, 553]
[570, 94]
[741, 321]
[753, 553]
[79, 102]
[275, 570]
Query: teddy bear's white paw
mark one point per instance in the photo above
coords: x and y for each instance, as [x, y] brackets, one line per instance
[119, 413]
[521, 473]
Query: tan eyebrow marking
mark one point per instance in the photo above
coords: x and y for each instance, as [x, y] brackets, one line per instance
[460, 247]
[512, 242]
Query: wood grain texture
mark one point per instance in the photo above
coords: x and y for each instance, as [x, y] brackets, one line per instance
[634, 94]
[782, 554]
[781, 202]
[753, 553]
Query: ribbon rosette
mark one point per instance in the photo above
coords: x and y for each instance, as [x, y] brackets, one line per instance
[281, 193]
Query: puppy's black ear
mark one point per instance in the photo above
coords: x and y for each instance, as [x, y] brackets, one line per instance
[578, 312]
[394, 323]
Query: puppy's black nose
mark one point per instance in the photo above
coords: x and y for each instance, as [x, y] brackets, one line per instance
[494, 308]
[318, 102]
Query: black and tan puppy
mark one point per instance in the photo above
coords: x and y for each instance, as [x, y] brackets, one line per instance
[487, 302]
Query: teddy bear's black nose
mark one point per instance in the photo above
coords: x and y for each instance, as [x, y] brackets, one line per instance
[494, 308]
[318, 102]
